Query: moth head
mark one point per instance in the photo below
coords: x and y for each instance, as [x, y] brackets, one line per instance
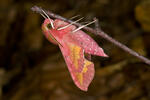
[48, 22]
[46, 26]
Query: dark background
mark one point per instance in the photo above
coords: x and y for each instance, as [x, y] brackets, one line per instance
[31, 68]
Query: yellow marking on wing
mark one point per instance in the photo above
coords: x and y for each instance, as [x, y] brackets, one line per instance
[86, 63]
[84, 70]
[75, 54]
[80, 78]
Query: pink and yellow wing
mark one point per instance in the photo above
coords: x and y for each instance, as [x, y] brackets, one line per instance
[88, 44]
[82, 71]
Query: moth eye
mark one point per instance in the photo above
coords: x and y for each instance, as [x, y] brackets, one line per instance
[49, 26]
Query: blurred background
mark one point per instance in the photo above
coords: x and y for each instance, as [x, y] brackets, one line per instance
[31, 68]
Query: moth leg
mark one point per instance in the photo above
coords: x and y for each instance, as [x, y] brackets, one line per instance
[70, 24]
[83, 26]
[97, 26]
[74, 17]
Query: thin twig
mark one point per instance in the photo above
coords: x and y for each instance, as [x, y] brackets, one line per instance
[96, 32]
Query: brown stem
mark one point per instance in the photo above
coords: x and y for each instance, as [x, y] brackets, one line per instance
[97, 32]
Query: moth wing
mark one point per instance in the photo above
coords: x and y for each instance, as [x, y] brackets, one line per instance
[88, 44]
[81, 70]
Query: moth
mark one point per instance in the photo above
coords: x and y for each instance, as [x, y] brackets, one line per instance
[74, 44]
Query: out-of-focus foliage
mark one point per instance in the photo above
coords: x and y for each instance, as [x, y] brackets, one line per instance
[31, 68]
[143, 14]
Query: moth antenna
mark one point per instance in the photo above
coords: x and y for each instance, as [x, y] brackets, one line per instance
[42, 15]
[48, 18]
[83, 26]
[74, 17]
[70, 24]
